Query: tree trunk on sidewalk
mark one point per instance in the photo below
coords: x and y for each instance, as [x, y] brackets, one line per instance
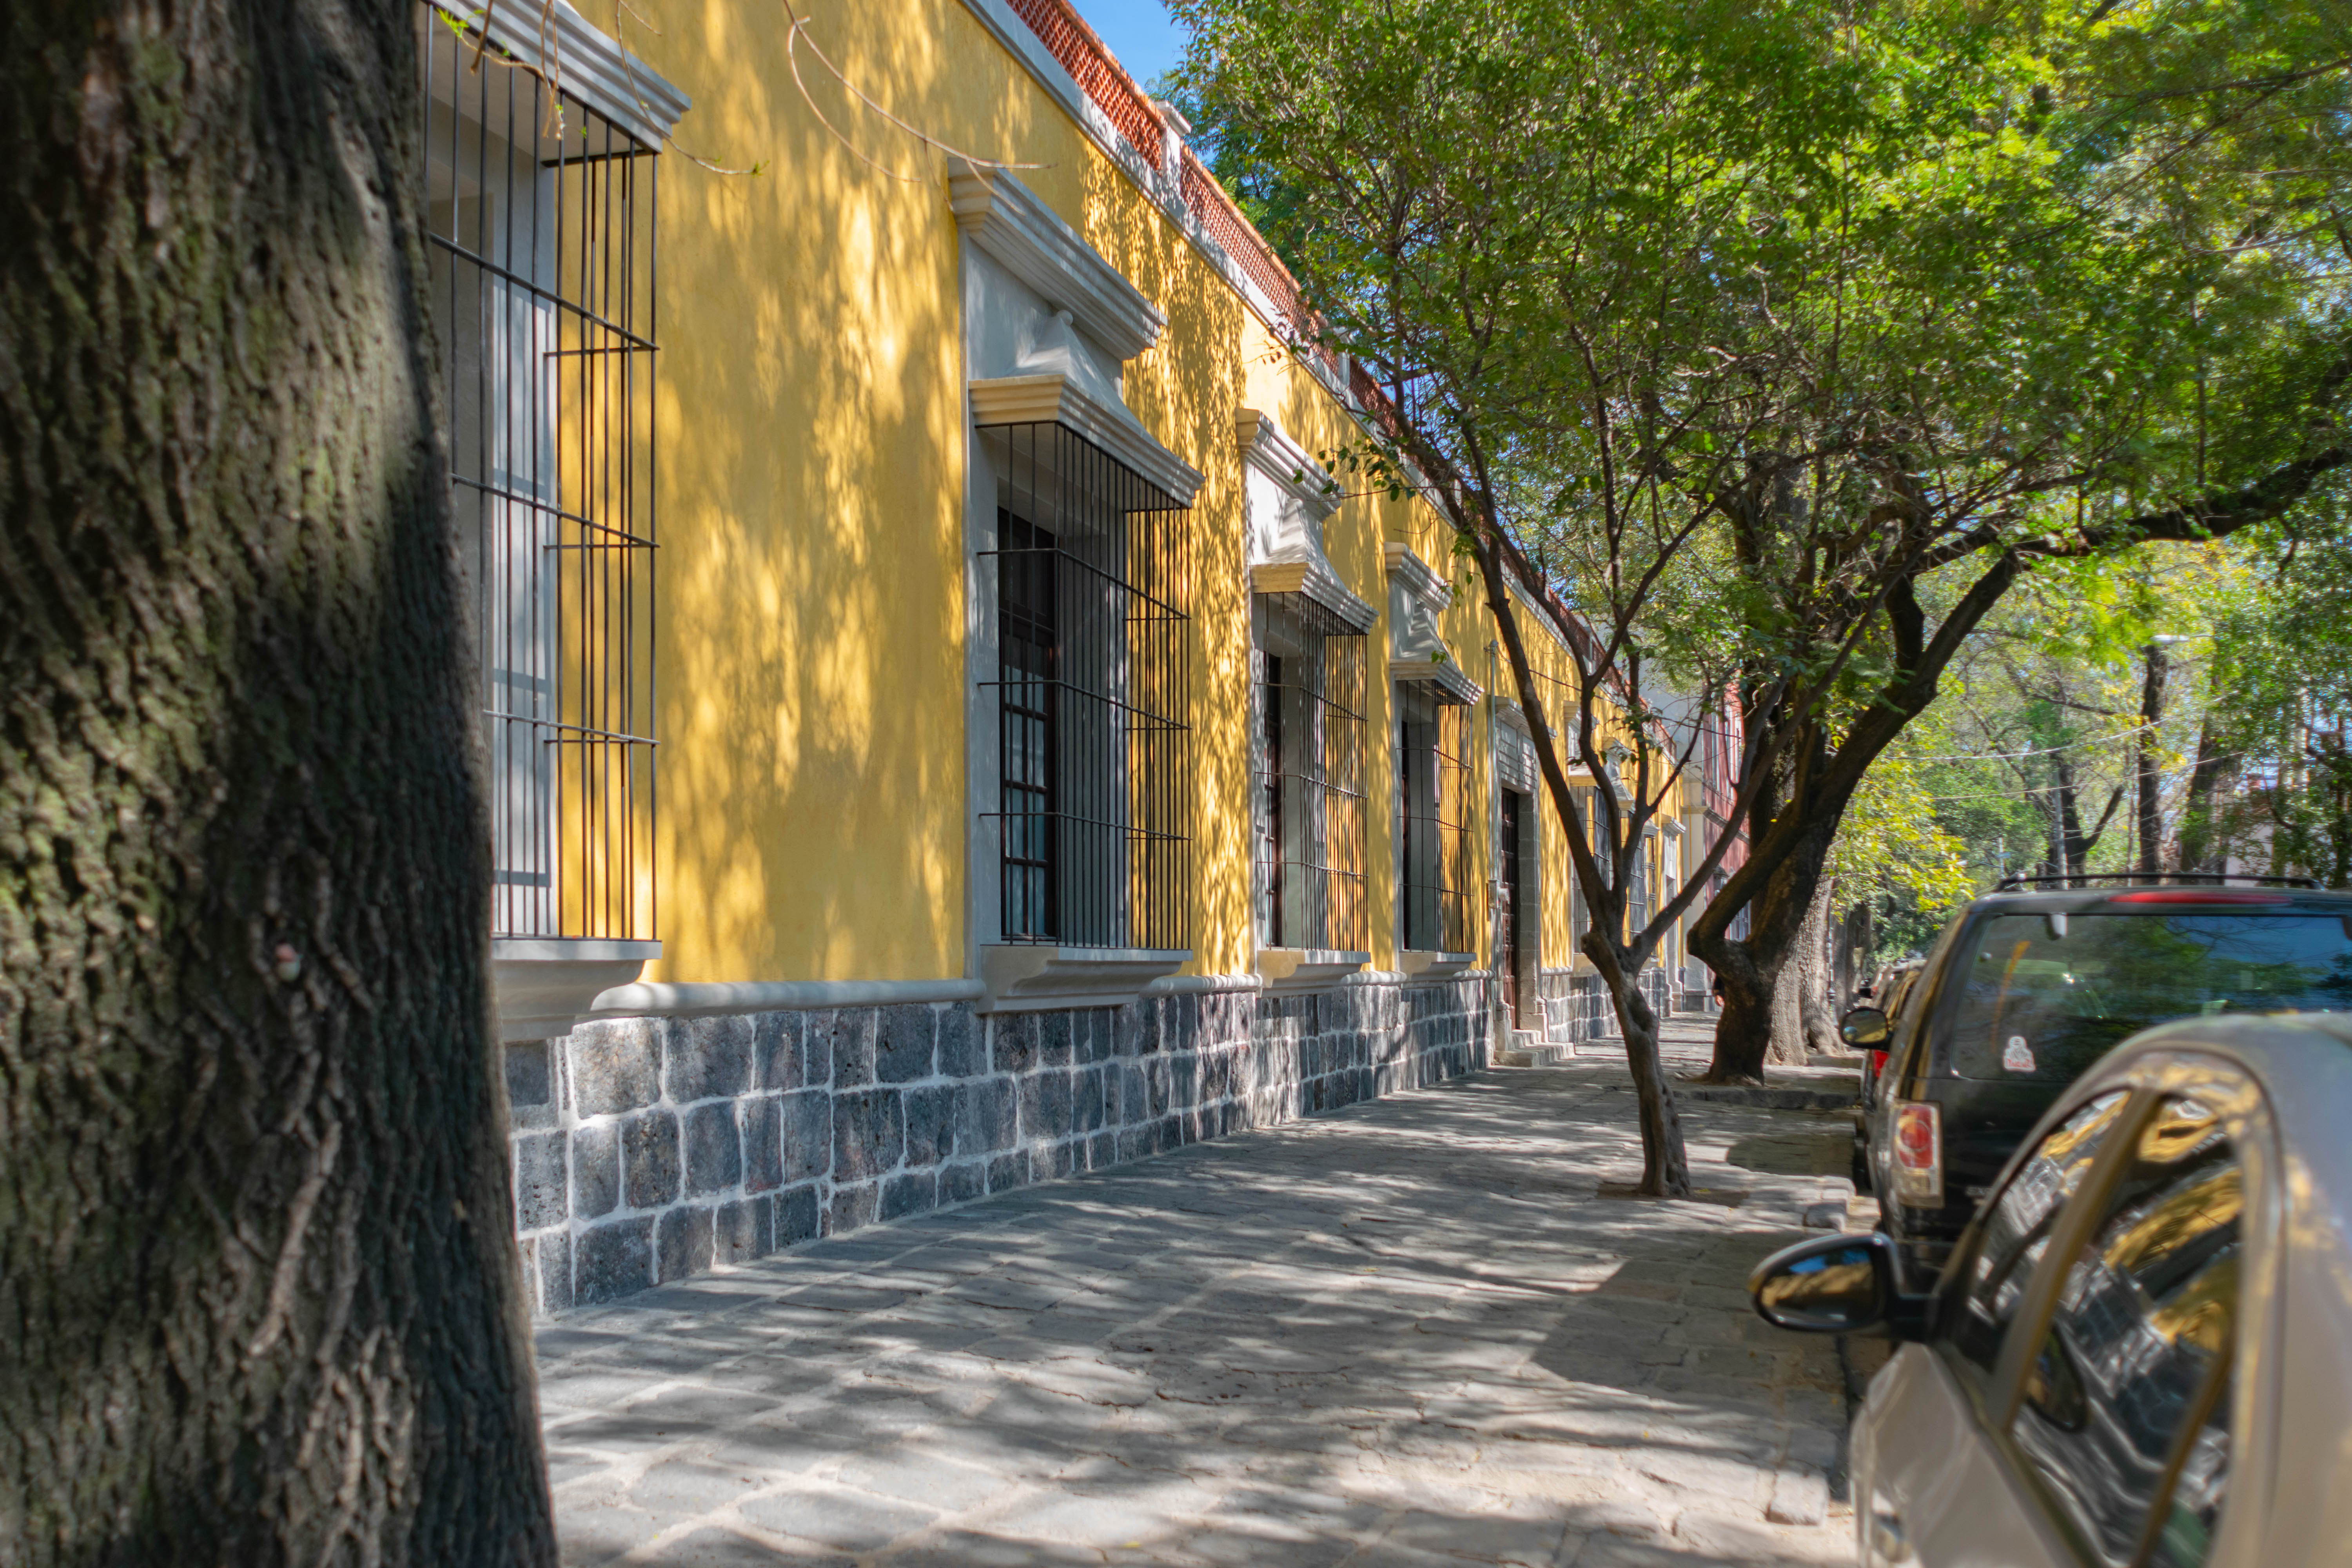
[258, 1274]
[1800, 1001]
[1665, 1168]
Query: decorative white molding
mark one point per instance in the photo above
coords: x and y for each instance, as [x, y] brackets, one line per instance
[542, 987]
[1289, 496]
[1287, 971]
[709, 999]
[1058, 399]
[1419, 964]
[1154, 182]
[1268, 450]
[1202, 984]
[1417, 649]
[1004, 218]
[1021, 978]
[566, 49]
[1515, 749]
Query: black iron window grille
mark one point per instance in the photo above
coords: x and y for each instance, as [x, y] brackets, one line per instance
[1310, 827]
[1091, 696]
[1434, 784]
[541, 258]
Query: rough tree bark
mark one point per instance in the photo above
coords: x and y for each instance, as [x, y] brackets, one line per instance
[1801, 1015]
[258, 1289]
[2202, 848]
[2149, 772]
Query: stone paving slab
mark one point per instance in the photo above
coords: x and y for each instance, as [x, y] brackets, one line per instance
[1410, 1334]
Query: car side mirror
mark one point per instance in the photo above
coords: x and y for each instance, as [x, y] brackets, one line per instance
[1836, 1285]
[1865, 1028]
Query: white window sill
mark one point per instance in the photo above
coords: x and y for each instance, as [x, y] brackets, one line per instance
[543, 986]
[1421, 964]
[1021, 978]
[1288, 970]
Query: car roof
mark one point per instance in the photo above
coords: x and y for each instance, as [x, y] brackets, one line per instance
[2303, 1061]
[2150, 898]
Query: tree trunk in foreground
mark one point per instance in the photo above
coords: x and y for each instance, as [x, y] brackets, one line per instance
[259, 1301]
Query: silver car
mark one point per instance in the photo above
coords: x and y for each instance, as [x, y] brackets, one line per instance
[2140, 1355]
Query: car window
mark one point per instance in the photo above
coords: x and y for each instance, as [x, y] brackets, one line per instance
[2037, 1004]
[2126, 1411]
[2015, 1230]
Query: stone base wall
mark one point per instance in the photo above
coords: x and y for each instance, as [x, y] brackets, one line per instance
[1576, 1007]
[647, 1149]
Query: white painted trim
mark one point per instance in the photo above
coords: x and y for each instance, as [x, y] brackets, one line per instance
[1059, 399]
[1004, 217]
[542, 986]
[1417, 650]
[1285, 550]
[561, 950]
[1202, 984]
[586, 63]
[1419, 578]
[712, 999]
[1021, 977]
[1269, 450]
[1287, 971]
[1419, 964]
[1155, 182]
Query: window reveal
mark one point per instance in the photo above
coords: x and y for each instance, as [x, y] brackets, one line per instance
[1091, 696]
[542, 264]
[1310, 827]
[1433, 786]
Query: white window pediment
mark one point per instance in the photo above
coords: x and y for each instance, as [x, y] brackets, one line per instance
[1515, 749]
[1417, 649]
[1060, 398]
[567, 49]
[1048, 325]
[1289, 495]
[1005, 219]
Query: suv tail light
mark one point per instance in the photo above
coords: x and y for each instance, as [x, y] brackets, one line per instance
[1919, 1155]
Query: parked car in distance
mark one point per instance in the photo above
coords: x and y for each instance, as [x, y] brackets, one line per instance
[2142, 1352]
[2027, 987]
[1887, 992]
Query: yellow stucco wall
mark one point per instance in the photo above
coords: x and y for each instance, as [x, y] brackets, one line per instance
[813, 819]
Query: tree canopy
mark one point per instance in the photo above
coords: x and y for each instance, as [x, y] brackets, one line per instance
[1779, 342]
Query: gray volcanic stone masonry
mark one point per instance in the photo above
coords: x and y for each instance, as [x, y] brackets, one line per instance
[649, 1149]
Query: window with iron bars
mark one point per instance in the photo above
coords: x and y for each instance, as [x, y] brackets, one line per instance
[541, 258]
[1092, 696]
[1432, 745]
[1309, 882]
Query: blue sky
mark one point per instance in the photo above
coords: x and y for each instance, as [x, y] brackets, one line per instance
[1139, 32]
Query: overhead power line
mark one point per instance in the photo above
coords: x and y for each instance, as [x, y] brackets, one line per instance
[2041, 750]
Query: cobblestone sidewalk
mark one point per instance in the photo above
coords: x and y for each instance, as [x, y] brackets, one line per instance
[1412, 1333]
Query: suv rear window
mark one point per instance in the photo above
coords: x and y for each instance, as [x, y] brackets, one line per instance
[2035, 1005]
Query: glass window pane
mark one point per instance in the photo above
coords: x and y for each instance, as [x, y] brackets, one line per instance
[2016, 1228]
[2038, 1006]
[2130, 1387]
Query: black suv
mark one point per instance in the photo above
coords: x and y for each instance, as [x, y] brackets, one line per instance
[2027, 987]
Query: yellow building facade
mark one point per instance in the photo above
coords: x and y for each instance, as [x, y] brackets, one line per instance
[951, 721]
